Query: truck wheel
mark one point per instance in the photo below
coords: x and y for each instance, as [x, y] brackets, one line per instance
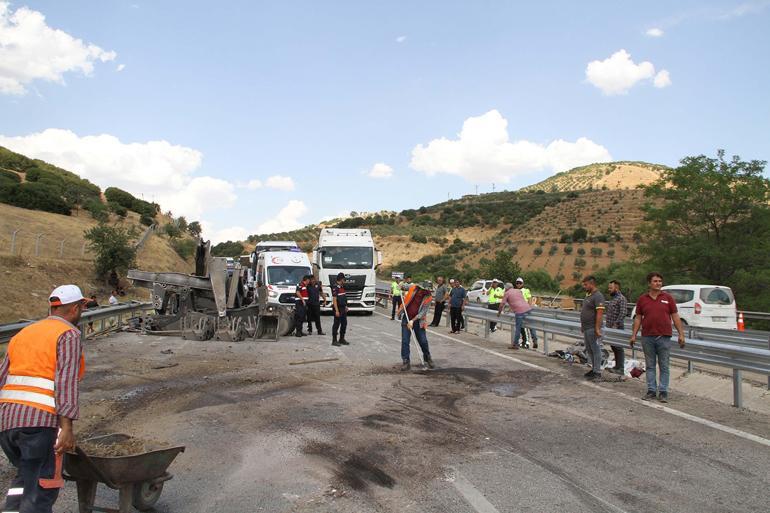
[145, 495]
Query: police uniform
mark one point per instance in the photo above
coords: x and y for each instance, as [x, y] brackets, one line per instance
[340, 307]
[395, 290]
[494, 297]
[300, 308]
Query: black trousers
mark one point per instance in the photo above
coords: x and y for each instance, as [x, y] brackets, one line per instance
[341, 325]
[492, 324]
[300, 313]
[30, 450]
[437, 314]
[396, 304]
[456, 317]
[314, 316]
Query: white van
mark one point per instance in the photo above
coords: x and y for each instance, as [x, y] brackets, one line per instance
[705, 306]
[280, 272]
[478, 292]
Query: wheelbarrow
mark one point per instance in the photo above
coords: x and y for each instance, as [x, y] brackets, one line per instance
[138, 477]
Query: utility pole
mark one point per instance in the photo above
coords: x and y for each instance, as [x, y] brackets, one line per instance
[477, 190]
[493, 187]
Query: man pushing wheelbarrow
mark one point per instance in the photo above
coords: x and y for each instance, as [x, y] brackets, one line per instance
[413, 313]
[39, 401]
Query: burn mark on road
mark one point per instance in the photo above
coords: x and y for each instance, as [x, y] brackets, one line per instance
[356, 470]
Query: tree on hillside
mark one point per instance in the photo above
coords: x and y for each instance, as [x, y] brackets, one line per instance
[502, 267]
[227, 249]
[195, 229]
[113, 249]
[709, 219]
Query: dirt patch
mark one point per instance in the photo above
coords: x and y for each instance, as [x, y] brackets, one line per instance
[112, 446]
[357, 470]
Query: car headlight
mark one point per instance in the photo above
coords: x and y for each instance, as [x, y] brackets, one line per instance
[370, 294]
[272, 293]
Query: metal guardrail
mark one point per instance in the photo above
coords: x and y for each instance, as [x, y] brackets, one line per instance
[732, 350]
[108, 318]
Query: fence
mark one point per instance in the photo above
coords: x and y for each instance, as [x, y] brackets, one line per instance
[94, 322]
[21, 242]
[731, 350]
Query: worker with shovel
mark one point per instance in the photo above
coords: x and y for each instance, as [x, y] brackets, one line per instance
[413, 314]
[39, 401]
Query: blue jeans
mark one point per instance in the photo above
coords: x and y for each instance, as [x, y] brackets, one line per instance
[519, 325]
[406, 337]
[657, 349]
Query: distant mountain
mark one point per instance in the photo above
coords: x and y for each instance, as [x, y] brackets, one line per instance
[608, 175]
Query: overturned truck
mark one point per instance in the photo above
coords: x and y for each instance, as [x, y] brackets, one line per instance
[212, 303]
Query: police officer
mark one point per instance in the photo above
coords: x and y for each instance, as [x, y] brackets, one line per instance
[340, 307]
[315, 296]
[494, 296]
[300, 305]
[395, 292]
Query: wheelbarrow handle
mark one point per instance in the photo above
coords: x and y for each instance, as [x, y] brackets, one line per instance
[82, 454]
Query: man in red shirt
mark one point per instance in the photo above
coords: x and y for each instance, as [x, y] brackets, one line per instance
[655, 311]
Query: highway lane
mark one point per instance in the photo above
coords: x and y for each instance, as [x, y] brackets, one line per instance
[487, 431]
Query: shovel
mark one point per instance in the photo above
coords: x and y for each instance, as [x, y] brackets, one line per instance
[56, 481]
[419, 349]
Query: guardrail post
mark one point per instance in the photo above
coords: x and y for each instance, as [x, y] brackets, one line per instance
[465, 320]
[690, 365]
[545, 341]
[737, 388]
[486, 328]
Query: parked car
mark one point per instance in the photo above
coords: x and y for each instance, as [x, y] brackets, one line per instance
[704, 306]
[478, 291]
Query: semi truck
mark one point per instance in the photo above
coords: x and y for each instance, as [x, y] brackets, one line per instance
[353, 253]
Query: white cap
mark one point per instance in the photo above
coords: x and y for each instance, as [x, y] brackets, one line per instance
[519, 280]
[65, 295]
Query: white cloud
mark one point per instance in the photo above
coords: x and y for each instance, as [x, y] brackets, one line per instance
[483, 152]
[618, 73]
[120, 68]
[31, 50]
[155, 170]
[253, 185]
[662, 79]
[233, 233]
[281, 183]
[286, 219]
[380, 170]
[654, 32]
[400, 39]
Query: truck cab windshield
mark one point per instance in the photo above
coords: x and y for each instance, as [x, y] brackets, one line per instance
[286, 275]
[348, 258]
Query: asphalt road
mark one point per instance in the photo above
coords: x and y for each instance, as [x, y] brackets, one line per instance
[488, 431]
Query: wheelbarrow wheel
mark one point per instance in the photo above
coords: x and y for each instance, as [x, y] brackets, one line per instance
[146, 494]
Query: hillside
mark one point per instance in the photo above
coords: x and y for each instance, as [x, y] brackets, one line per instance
[609, 175]
[537, 224]
[44, 212]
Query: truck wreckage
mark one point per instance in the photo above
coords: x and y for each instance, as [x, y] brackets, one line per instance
[212, 303]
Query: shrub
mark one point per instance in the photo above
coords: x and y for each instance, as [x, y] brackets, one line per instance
[38, 196]
[567, 250]
[538, 251]
[580, 235]
[611, 253]
[118, 210]
[113, 249]
[228, 249]
[422, 239]
[172, 230]
[580, 262]
[98, 210]
[596, 252]
[185, 248]
[581, 251]
[552, 251]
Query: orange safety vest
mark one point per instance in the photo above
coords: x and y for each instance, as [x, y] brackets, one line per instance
[409, 297]
[32, 365]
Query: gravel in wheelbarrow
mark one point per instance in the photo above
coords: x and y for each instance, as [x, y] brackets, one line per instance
[136, 467]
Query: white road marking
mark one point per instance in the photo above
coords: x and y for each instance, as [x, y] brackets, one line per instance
[471, 494]
[693, 418]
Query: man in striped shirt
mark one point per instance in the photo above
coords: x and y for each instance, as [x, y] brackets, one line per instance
[39, 397]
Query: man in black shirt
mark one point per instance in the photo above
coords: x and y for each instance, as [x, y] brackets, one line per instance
[340, 307]
[315, 296]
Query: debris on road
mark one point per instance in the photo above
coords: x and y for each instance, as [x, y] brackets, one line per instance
[322, 360]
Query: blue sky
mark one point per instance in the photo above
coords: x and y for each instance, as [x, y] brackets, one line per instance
[198, 105]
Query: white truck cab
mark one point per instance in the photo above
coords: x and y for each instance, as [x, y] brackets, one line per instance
[280, 272]
[351, 252]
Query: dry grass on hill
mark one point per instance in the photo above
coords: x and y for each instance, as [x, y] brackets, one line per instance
[613, 175]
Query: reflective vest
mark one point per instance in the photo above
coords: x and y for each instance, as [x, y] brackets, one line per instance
[494, 296]
[395, 288]
[527, 294]
[32, 365]
[414, 299]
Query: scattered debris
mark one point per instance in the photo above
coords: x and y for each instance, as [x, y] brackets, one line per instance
[167, 351]
[303, 362]
[111, 446]
[164, 366]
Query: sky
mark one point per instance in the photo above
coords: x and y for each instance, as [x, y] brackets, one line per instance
[258, 117]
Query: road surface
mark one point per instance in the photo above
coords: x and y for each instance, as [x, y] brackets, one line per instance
[490, 430]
